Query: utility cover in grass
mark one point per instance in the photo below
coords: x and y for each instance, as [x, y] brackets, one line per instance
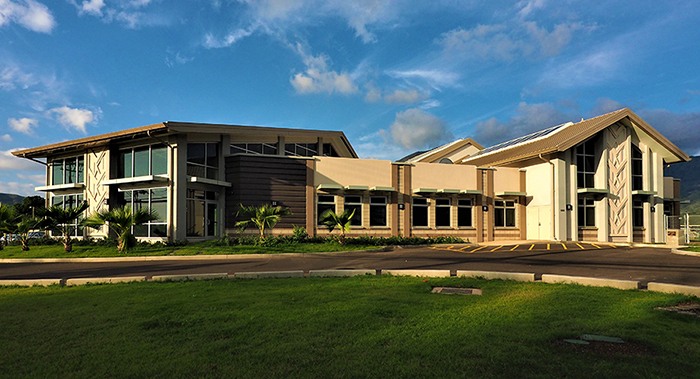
[457, 291]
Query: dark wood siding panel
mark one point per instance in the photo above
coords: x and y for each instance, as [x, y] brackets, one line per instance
[258, 180]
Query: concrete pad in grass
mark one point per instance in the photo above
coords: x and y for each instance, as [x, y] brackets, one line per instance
[596, 282]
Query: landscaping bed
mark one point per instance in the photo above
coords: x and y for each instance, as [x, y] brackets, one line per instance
[367, 326]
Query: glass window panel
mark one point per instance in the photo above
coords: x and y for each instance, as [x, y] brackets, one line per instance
[57, 172]
[377, 215]
[377, 200]
[464, 216]
[195, 153]
[195, 170]
[71, 173]
[357, 217]
[417, 201]
[326, 198]
[70, 201]
[159, 160]
[140, 199]
[124, 199]
[420, 215]
[270, 149]
[57, 201]
[590, 216]
[442, 217]
[581, 216]
[636, 167]
[212, 173]
[589, 163]
[500, 217]
[140, 230]
[255, 148]
[322, 208]
[142, 161]
[581, 180]
[353, 199]
[510, 204]
[510, 217]
[579, 162]
[442, 201]
[213, 154]
[637, 183]
[499, 203]
[159, 230]
[464, 202]
[636, 153]
[590, 182]
[124, 164]
[81, 170]
[238, 148]
[159, 203]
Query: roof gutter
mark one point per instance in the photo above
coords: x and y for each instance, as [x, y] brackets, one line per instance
[34, 160]
[159, 139]
[554, 191]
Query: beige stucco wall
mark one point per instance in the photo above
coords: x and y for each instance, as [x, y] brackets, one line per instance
[352, 172]
[443, 176]
[506, 179]
[538, 185]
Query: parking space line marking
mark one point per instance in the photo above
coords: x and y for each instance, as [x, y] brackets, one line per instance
[478, 249]
[466, 247]
[516, 246]
[497, 248]
[564, 246]
[533, 245]
[547, 246]
[613, 246]
[579, 245]
[596, 246]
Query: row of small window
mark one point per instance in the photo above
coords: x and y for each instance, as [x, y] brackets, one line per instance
[586, 212]
[154, 199]
[202, 161]
[291, 149]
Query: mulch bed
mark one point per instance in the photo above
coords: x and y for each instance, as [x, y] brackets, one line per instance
[692, 309]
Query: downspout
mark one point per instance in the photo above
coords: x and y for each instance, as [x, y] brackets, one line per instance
[553, 194]
[34, 160]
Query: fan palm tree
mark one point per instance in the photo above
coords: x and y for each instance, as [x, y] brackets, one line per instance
[22, 226]
[341, 221]
[263, 217]
[120, 220]
[60, 220]
[6, 216]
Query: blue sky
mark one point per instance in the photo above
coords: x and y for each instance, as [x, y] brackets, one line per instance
[395, 76]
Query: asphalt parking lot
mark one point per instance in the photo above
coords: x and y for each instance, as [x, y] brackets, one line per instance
[537, 246]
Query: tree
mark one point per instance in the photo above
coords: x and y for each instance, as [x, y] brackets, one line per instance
[6, 217]
[22, 226]
[30, 206]
[60, 220]
[341, 221]
[263, 217]
[120, 220]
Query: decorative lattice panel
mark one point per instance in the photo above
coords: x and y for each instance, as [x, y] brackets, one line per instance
[618, 182]
[97, 171]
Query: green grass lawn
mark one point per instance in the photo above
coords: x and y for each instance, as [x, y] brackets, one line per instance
[199, 248]
[693, 248]
[371, 326]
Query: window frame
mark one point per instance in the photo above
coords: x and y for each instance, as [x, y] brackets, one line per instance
[79, 161]
[378, 207]
[585, 203]
[505, 208]
[210, 171]
[469, 211]
[637, 213]
[151, 224]
[584, 152]
[442, 205]
[425, 207]
[637, 169]
[79, 231]
[356, 220]
[320, 203]
[121, 163]
[251, 147]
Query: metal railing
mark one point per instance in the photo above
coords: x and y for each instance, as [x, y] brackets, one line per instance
[688, 225]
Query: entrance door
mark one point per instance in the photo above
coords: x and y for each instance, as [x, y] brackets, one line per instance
[539, 222]
[202, 213]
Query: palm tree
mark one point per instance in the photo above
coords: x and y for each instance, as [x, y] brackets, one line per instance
[60, 220]
[341, 221]
[22, 226]
[120, 220]
[264, 217]
[6, 216]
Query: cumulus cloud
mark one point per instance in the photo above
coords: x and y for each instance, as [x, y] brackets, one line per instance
[23, 125]
[509, 41]
[211, 42]
[404, 97]
[24, 189]
[528, 119]
[374, 94]
[27, 13]
[434, 78]
[318, 78]
[73, 118]
[605, 105]
[415, 129]
[127, 12]
[93, 7]
[528, 6]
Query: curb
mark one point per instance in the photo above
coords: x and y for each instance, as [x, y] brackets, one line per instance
[270, 274]
[673, 288]
[518, 276]
[223, 275]
[422, 273]
[596, 282]
[683, 252]
[339, 273]
[119, 279]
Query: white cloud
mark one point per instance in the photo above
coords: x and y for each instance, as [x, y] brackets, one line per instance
[528, 6]
[38, 179]
[6, 138]
[23, 125]
[586, 69]
[404, 97]
[212, 42]
[528, 119]
[10, 162]
[509, 41]
[605, 105]
[28, 13]
[434, 78]
[317, 78]
[73, 118]
[93, 7]
[11, 76]
[415, 129]
[374, 94]
[177, 58]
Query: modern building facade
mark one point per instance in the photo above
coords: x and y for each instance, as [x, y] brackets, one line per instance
[596, 180]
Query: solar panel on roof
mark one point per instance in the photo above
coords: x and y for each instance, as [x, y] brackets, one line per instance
[519, 140]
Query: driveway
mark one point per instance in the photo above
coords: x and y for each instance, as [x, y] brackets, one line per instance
[644, 264]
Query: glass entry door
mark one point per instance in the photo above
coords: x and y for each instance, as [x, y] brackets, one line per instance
[202, 213]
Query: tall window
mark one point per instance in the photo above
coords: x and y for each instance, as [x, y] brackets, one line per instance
[69, 170]
[203, 160]
[637, 213]
[420, 211]
[585, 164]
[324, 203]
[377, 211]
[70, 201]
[254, 148]
[586, 212]
[464, 213]
[637, 178]
[443, 214]
[142, 161]
[155, 199]
[354, 203]
[505, 213]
